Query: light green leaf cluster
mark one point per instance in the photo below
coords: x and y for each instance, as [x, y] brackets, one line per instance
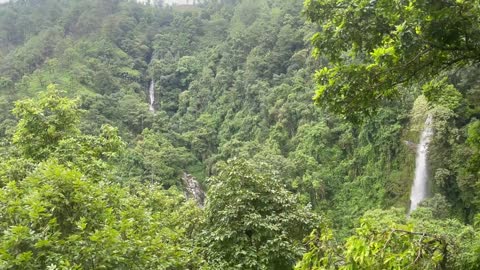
[57, 217]
[60, 211]
[385, 239]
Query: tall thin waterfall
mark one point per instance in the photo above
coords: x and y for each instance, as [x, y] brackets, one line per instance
[151, 92]
[420, 184]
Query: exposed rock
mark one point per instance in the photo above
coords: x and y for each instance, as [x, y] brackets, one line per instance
[411, 145]
[193, 189]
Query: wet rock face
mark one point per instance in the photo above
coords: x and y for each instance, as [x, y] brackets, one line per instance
[193, 189]
[411, 145]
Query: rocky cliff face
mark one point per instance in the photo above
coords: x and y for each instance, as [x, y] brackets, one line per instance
[193, 189]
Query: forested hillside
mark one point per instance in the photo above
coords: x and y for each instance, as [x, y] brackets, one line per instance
[117, 116]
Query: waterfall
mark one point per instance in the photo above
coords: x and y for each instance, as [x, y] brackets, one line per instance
[420, 183]
[151, 92]
[193, 189]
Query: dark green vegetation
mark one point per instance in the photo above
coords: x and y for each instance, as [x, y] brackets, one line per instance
[91, 179]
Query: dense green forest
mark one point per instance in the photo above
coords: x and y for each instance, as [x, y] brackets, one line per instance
[238, 134]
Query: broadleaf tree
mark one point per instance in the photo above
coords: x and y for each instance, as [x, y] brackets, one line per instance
[252, 220]
[375, 47]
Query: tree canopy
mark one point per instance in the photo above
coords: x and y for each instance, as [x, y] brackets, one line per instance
[60, 210]
[253, 222]
[375, 48]
[114, 112]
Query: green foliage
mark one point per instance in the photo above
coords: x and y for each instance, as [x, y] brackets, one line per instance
[93, 155]
[48, 129]
[233, 80]
[59, 211]
[57, 218]
[469, 180]
[155, 159]
[439, 92]
[386, 243]
[252, 221]
[374, 46]
[385, 239]
[44, 123]
[321, 252]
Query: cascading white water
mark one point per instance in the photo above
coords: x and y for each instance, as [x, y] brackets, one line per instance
[193, 189]
[151, 92]
[420, 183]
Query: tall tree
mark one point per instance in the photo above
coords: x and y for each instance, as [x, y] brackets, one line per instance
[252, 221]
[375, 46]
[45, 122]
[59, 212]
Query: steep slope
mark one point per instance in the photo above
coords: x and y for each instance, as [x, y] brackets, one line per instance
[219, 93]
[231, 80]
